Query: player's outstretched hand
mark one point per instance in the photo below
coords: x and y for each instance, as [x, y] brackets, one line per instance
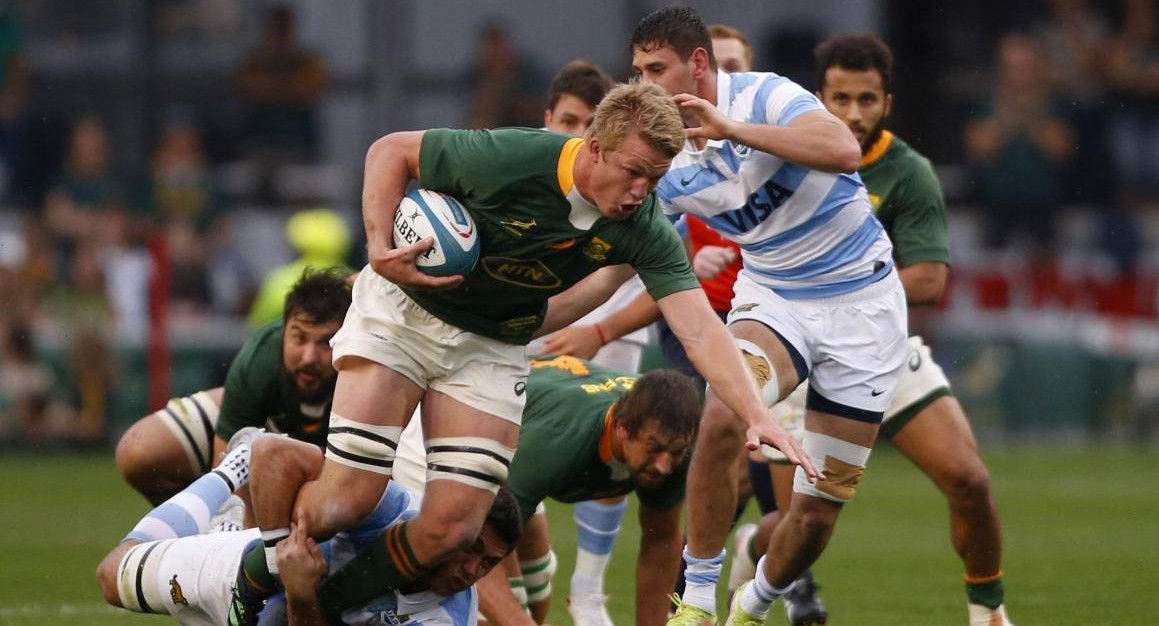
[712, 123]
[300, 560]
[398, 266]
[581, 341]
[768, 432]
[711, 260]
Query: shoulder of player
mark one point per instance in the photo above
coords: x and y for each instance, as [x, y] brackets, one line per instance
[261, 353]
[906, 156]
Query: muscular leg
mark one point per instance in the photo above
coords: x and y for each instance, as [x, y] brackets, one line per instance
[155, 461]
[342, 495]
[464, 446]
[712, 476]
[939, 441]
[803, 532]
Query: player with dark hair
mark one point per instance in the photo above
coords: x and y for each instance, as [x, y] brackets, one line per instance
[623, 433]
[551, 211]
[573, 96]
[924, 422]
[167, 566]
[282, 379]
[769, 168]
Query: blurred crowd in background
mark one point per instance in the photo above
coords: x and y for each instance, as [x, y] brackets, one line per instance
[1045, 133]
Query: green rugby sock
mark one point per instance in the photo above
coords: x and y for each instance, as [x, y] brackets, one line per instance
[387, 564]
[988, 591]
[254, 566]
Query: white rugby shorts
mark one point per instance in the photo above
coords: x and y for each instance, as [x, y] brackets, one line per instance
[385, 326]
[853, 344]
[922, 381]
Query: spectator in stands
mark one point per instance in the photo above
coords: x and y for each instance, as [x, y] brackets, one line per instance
[506, 87]
[88, 200]
[18, 140]
[1019, 145]
[1075, 40]
[1134, 78]
[281, 84]
[184, 201]
[80, 310]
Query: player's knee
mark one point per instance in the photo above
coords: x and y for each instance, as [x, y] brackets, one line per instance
[720, 429]
[842, 462]
[968, 489]
[107, 577]
[132, 455]
[813, 516]
[446, 533]
[285, 457]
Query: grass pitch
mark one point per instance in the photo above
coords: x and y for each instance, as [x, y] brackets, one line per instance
[1082, 543]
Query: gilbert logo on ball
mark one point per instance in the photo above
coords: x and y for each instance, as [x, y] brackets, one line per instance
[425, 213]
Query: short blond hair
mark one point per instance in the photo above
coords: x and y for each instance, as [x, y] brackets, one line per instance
[644, 108]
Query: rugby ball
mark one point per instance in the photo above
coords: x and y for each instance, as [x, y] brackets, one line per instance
[425, 213]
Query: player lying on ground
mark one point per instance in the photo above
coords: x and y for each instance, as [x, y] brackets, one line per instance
[166, 566]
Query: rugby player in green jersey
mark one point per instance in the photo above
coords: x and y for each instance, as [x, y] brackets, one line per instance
[282, 379]
[592, 432]
[925, 422]
[551, 210]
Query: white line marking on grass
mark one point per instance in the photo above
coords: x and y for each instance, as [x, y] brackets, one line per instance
[61, 610]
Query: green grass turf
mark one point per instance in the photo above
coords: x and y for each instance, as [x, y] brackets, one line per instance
[1082, 545]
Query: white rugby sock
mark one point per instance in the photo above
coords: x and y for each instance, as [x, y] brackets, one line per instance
[759, 596]
[700, 579]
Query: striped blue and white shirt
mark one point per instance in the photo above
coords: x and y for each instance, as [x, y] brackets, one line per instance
[804, 234]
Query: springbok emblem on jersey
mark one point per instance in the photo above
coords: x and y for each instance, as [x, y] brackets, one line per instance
[175, 592]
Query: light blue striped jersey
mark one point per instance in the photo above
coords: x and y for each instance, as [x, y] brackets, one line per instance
[802, 233]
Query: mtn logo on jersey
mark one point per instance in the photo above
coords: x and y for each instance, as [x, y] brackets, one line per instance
[597, 250]
[530, 273]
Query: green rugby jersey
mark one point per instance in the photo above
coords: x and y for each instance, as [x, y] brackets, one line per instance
[565, 441]
[257, 393]
[538, 236]
[908, 200]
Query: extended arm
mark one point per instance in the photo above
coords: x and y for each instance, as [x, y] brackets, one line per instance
[712, 350]
[657, 563]
[565, 308]
[585, 341]
[923, 282]
[816, 140]
[496, 602]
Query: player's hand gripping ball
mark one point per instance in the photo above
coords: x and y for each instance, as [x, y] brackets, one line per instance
[425, 213]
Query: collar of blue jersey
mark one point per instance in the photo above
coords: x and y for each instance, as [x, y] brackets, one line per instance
[411, 603]
[723, 88]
